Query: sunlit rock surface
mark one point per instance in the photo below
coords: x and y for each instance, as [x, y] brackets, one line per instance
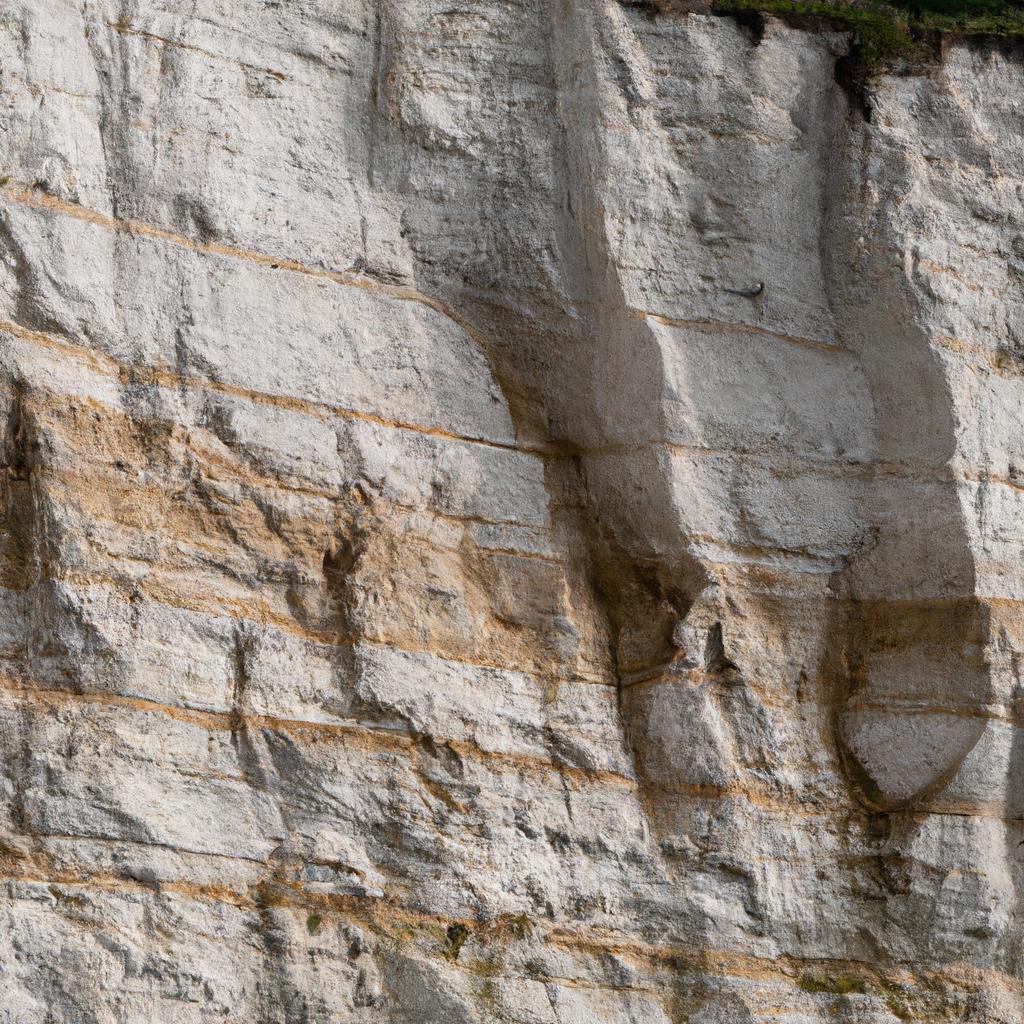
[511, 512]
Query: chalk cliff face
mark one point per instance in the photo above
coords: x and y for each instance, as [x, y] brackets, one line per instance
[433, 587]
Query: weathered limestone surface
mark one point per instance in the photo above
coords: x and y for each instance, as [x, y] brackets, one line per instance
[427, 594]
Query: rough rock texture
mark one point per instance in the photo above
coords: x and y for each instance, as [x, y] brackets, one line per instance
[428, 595]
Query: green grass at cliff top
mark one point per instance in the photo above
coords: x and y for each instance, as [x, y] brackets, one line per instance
[976, 17]
[891, 32]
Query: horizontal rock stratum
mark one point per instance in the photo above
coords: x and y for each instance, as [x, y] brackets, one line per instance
[511, 512]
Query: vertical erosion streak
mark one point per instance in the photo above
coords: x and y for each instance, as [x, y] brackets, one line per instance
[643, 565]
[905, 607]
[912, 659]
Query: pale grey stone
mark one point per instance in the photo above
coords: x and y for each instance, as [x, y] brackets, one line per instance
[508, 512]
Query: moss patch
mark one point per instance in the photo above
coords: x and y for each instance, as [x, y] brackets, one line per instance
[835, 985]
